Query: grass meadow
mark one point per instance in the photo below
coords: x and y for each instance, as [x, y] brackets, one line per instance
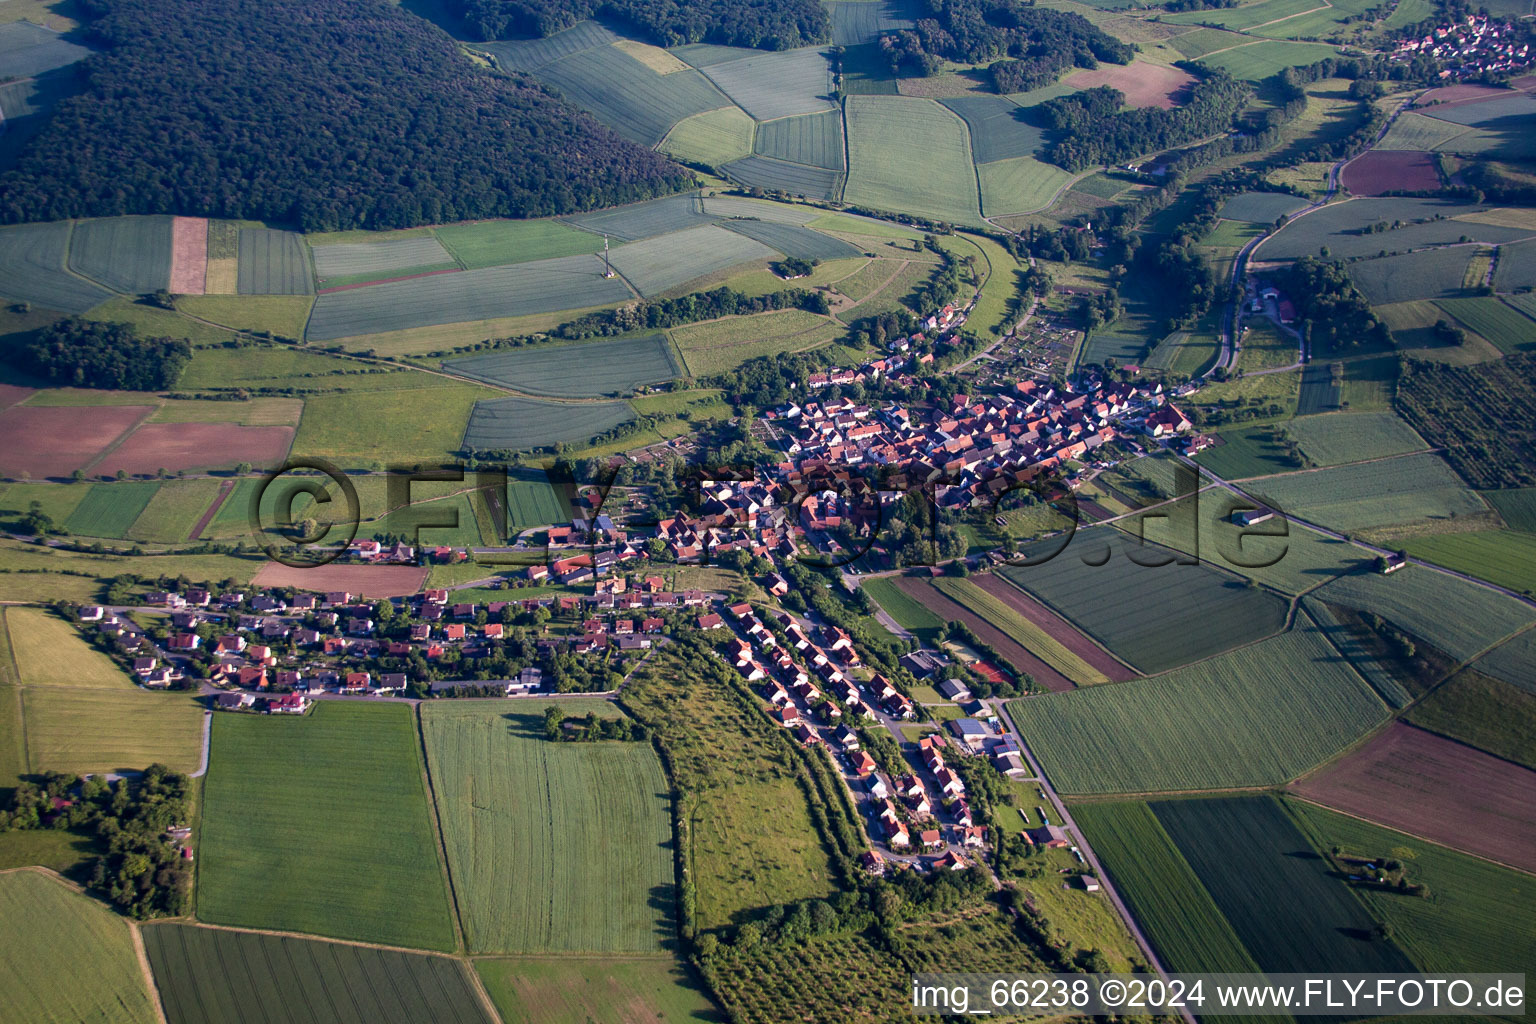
[109, 510]
[1393, 492]
[554, 847]
[344, 847]
[724, 344]
[371, 429]
[278, 974]
[1257, 716]
[576, 990]
[62, 927]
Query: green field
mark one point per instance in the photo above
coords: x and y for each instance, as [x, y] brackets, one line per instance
[174, 510]
[359, 429]
[997, 130]
[1254, 717]
[1430, 274]
[539, 286]
[1169, 902]
[578, 990]
[1282, 900]
[1484, 712]
[724, 344]
[62, 927]
[1517, 507]
[554, 847]
[581, 370]
[813, 139]
[1334, 439]
[81, 713]
[359, 262]
[283, 315]
[1036, 640]
[908, 613]
[127, 254]
[494, 243]
[354, 825]
[1258, 61]
[712, 138]
[108, 510]
[273, 263]
[774, 85]
[1154, 617]
[1020, 185]
[1247, 452]
[883, 134]
[1238, 19]
[1392, 492]
[794, 240]
[656, 265]
[531, 501]
[1474, 920]
[1504, 557]
[1507, 328]
[207, 974]
[646, 220]
[1340, 227]
[1454, 615]
[517, 423]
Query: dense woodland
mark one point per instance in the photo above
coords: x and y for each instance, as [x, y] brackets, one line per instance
[325, 113]
[765, 24]
[86, 354]
[1091, 128]
[1039, 42]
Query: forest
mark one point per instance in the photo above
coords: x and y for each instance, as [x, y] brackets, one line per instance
[1335, 316]
[86, 354]
[1041, 42]
[1090, 128]
[763, 24]
[327, 114]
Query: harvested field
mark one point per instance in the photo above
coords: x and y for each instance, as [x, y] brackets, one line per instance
[778, 84]
[1438, 789]
[629, 97]
[577, 990]
[1430, 274]
[32, 269]
[794, 240]
[173, 446]
[782, 176]
[1016, 653]
[189, 255]
[1375, 173]
[1155, 616]
[814, 139]
[532, 54]
[1058, 628]
[273, 263]
[527, 423]
[653, 57]
[1144, 84]
[580, 370]
[645, 220]
[1258, 61]
[997, 126]
[1517, 269]
[884, 132]
[373, 582]
[554, 847]
[659, 264]
[542, 286]
[724, 344]
[713, 138]
[495, 243]
[1454, 615]
[1252, 717]
[282, 976]
[127, 254]
[54, 441]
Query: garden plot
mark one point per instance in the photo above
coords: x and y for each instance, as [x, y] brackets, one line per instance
[812, 139]
[542, 286]
[580, 370]
[774, 85]
[659, 264]
[32, 269]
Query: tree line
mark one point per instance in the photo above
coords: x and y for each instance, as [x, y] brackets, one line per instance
[762, 24]
[87, 354]
[328, 114]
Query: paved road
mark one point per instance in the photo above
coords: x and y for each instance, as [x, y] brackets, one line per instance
[202, 766]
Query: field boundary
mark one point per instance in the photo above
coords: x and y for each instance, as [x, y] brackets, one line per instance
[146, 970]
[192, 922]
[437, 826]
[21, 696]
[226, 488]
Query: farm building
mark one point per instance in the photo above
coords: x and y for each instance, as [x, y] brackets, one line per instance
[1049, 836]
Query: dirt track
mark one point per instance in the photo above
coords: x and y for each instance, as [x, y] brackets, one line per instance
[1058, 628]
